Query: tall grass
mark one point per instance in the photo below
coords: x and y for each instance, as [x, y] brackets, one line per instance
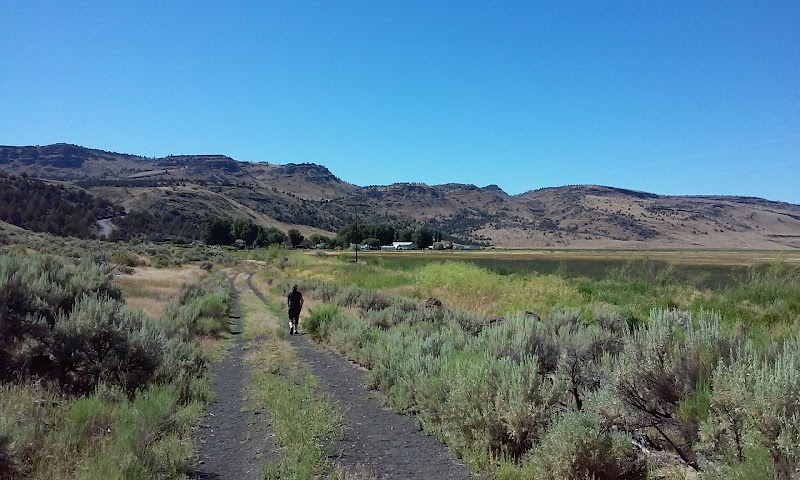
[303, 422]
[464, 286]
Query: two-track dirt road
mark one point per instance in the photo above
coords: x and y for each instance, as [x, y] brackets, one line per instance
[378, 443]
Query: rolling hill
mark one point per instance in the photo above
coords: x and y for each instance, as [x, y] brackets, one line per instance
[311, 198]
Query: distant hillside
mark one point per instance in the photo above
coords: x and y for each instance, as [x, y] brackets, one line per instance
[42, 207]
[312, 199]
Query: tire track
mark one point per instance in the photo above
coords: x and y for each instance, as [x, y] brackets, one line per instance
[234, 441]
[378, 440]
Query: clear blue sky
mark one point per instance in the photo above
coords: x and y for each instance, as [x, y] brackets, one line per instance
[668, 97]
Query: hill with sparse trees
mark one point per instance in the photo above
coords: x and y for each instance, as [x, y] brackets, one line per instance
[181, 191]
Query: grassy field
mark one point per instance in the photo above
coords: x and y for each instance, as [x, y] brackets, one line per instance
[737, 284]
[703, 268]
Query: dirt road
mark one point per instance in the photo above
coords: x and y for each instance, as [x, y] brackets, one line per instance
[234, 441]
[378, 441]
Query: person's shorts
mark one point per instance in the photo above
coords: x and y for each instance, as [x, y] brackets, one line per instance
[294, 313]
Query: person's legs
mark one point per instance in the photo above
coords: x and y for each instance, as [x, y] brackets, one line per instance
[294, 317]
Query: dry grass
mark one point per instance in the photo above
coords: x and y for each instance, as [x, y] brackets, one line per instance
[258, 321]
[151, 289]
[274, 356]
[213, 348]
[151, 306]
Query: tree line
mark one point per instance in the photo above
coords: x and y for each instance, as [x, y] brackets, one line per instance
[42, 207]
[379, 234]
[225, 231]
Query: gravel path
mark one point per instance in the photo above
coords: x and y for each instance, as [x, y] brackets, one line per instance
[379, 441]
[234, 441]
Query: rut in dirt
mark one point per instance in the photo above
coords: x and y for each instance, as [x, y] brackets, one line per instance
[235, 440]
[378, 441]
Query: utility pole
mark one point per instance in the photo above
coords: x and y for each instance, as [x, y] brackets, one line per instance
[356, 232]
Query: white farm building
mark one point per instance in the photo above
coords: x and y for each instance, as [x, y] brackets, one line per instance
[400, 246]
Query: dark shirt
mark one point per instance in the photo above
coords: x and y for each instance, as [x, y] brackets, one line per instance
[295, 299]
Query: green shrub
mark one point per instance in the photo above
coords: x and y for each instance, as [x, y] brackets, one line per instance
[161, 261]
[385, 318]
[126, 269]
[319, 319]
[210, 285]
[203, 315]
[351, 335]
[470, 323]
[193, 255]
[754, 408]
[126, 258]
[402, 363]
[517, 337]
[585, 352]
[35, 293]
[756, 464]
[183, 366]
[323, 291]
[364, 299]
[102, 342]
[664, 366]
[498, 405]
[576, 447]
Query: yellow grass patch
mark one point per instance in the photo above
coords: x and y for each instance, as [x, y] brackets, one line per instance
[464, 286]
[213, 348]
[151, 306]
[257, 320]
[151, 289]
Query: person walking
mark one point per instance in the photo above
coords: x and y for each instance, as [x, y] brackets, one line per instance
[295, 303]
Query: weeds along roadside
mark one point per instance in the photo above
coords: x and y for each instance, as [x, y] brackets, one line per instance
[91, 388]
[303, 420]
[506, 395]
